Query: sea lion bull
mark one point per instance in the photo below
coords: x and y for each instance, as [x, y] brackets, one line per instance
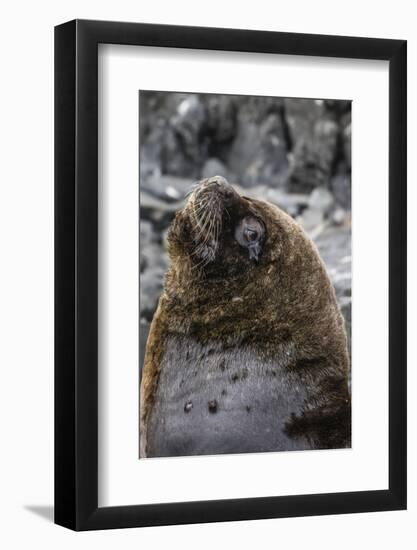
[247, 350]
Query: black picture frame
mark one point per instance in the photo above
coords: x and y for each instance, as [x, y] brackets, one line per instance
[76, 272]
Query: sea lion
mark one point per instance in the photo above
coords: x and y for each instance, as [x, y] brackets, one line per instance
[247, 350]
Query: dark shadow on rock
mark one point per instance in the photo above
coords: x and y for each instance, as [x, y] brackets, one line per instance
[45, 512]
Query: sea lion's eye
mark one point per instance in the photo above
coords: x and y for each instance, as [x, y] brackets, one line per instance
[249, 230]
[249, 233]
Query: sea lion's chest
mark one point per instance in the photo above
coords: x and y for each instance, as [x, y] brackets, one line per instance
[212, 400]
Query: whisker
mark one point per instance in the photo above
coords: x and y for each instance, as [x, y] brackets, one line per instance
[207, 217]
[198, 208]
[192, 188]
[201, 203]
[202, 225]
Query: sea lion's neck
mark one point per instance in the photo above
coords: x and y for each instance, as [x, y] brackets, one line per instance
[232, 309]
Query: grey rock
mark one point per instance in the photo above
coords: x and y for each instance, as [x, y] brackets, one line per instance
[214, 167]
[258, 140]
[339, 216]
[150, 158]
[151, 283]
[321, 199]
[244, 150]
[314, 135]
[147, 233]
[311, 218]
[175, 160]
[171, 128]
[292, 203]
[188, 122]
[168, 188]
[342, 282]
[184, 150]
[338, 106]
[347, 140]
[158, 212]
[221, 117]
[320, 203]
[259, 151]
[334, 245]
[152, 256]
[342, 190]
[301, 116]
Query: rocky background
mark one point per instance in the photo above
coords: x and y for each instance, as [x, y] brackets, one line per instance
[295, 153]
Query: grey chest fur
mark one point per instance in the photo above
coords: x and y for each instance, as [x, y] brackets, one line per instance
[211, 400]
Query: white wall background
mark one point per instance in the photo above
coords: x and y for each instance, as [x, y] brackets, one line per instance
[26, 288]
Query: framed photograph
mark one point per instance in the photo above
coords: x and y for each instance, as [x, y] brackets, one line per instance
[230, 284]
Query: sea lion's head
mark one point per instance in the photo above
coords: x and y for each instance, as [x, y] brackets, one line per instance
[242, 270]
[220, 232]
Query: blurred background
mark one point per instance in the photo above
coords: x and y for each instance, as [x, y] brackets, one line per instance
[295, 153]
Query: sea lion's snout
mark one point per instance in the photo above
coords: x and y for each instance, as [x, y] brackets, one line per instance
[220, 188]
[215, 181]
[209, 211]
